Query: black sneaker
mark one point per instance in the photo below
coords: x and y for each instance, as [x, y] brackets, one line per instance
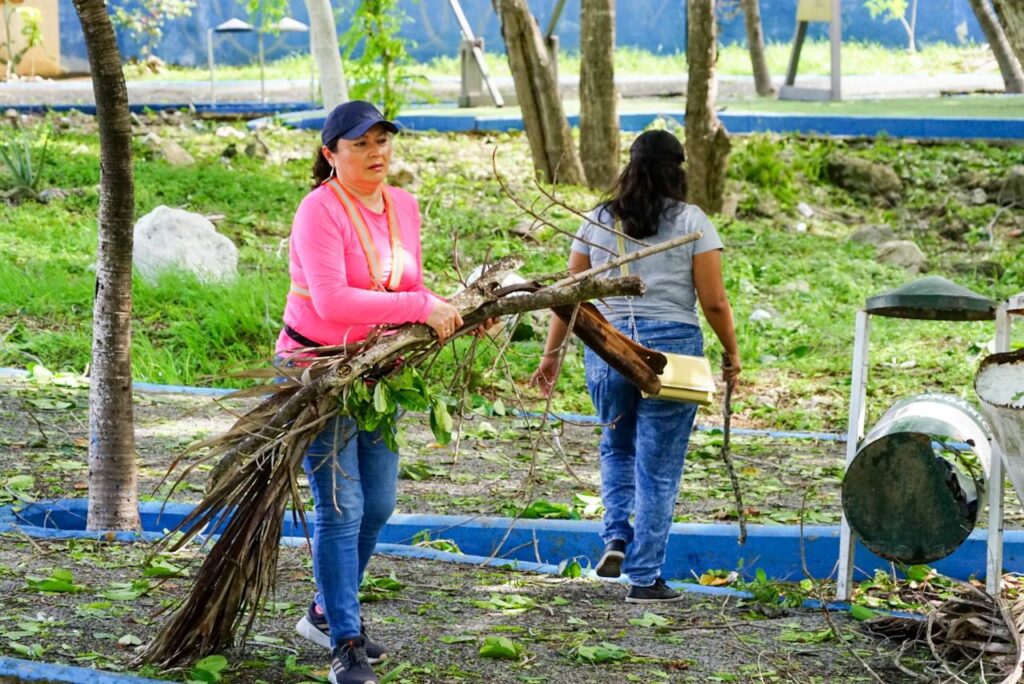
[659, 592]
[349, 664]
[313, 626]
[610, 564]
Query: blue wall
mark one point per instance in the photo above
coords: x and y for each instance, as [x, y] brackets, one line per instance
[655, 25]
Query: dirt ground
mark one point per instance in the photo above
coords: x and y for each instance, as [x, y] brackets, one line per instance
[436, 623]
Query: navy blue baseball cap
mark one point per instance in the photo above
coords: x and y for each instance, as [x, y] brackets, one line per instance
[350, 120]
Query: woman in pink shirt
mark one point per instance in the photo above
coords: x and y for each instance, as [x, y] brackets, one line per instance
[355, 262]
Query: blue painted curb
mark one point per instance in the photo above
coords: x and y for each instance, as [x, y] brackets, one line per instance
[33, 671]
[692, 548]
[935, 128]
[268, 109]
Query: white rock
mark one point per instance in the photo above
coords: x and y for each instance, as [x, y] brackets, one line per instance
[229, 132]
[175, 155]
[805, 210]
[175, 239]
[801, 227]
[760, 315]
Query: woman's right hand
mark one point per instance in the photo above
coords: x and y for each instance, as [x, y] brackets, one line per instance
[547, 372]
[445, 320]
[731, 369]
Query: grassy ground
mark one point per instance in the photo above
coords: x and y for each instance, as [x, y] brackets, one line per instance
[809, 278]
[734, 60]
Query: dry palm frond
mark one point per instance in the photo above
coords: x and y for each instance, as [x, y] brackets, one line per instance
[262, 454]
[970, 631]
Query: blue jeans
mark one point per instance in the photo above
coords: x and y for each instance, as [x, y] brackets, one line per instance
[643, 448]
[353, 477]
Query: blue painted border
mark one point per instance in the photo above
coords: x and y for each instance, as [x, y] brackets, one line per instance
[693, 548]
[35, 671]
[736, 122]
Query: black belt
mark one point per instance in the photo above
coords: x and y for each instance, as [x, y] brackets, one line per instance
[300, 338]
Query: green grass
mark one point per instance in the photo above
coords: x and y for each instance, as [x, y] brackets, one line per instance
[734, 60]
[796, 365]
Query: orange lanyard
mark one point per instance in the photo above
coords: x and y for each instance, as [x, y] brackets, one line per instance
[373, 262]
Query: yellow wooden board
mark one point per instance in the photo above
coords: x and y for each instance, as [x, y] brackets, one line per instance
[814, 10]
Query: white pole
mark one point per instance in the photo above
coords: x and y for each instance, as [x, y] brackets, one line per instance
[994, 536]
[209, 61]
[854, 433]
[835, 35]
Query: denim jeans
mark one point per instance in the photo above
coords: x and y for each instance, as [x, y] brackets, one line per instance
[643, 448]
[353, 480]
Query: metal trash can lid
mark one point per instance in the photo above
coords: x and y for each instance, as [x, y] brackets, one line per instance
[933, 298]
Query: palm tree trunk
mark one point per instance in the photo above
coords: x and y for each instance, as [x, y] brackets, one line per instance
[113, 479]
[323, 42]
[1009, 67]
[599, 120]
[547, 129]
[1011, 17]
[707, 142]
[755, 43]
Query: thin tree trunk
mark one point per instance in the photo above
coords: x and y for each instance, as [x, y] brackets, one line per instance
[599, 120]
[323, 43]
[755, 43]
[707, 142]
[113, 479]
[551, 145]
[1009, 67]
[1011, 16]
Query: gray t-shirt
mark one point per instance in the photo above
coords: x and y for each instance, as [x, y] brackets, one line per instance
[669, 275]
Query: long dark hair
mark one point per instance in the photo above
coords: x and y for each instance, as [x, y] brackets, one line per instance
[654, 173]
[321, 167]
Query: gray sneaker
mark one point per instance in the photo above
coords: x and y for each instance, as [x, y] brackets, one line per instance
[659, 592]
[349, 664]
[313, 626]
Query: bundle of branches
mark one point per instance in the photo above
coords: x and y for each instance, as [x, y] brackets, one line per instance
[971, 635]
[261, 456]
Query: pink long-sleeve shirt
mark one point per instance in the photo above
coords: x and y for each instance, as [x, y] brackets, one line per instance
[327, 260]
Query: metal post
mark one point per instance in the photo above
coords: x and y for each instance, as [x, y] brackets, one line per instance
[478, 54]
[855, 431]
[794, 56]
[555, 16]
[835, 35]
[209, 61]
[994, 536]
[263, 80]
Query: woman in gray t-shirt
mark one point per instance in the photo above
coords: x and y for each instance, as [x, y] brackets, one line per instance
[644, 441]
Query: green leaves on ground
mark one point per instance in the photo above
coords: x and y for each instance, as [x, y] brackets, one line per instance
[501, 648]
[379, 588]
[60, 581]
[604, 653]
[208, 670]
[511, 604]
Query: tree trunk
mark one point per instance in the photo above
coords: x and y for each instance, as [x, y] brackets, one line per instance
[1009, 67]
[113, 479]
[551, 144]
[1011, 16]
[599, 121]
[707, 142]
[323, 43]
[755, 43]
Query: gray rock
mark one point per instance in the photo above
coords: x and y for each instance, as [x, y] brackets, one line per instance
[760, 315]
[257, 150]
[402, 175]
[169, 239]
[902, 253]
[230, 151]
[987, 269]
[1012, 190]
[873, 235]
[175, 155]
[862, 176]
[978, 197]
[52, 195]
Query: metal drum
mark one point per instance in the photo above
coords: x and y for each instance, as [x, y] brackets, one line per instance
[909, 494]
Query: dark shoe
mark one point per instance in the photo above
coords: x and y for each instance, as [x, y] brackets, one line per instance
[349, 664]
[610, 564]
[313, 626]
[659, 592]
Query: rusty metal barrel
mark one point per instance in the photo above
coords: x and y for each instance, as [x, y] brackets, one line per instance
[913, 491]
